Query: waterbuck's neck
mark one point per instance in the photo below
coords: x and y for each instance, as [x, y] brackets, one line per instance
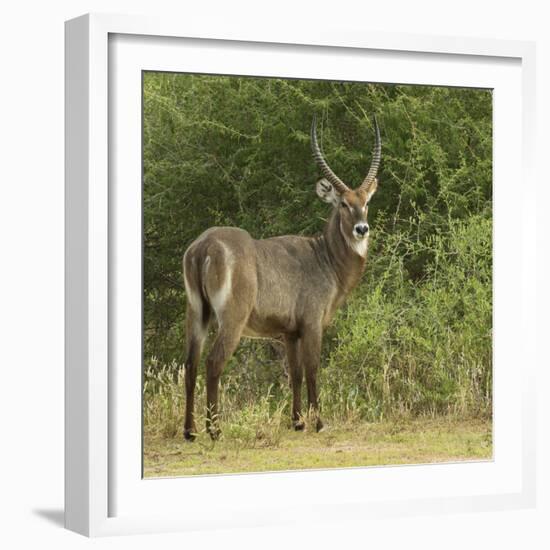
[346, 261]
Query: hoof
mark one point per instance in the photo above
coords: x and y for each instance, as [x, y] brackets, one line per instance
[299, 426]
[214, 433]
[189, 435]
[319, 427]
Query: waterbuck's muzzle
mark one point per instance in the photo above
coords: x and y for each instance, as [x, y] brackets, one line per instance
[360, 230]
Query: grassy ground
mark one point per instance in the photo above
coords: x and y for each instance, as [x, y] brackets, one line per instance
[418, 441]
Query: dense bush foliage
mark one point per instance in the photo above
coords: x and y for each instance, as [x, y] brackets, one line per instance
[415, 336]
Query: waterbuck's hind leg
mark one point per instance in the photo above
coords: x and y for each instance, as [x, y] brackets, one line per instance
[196, 330]
[225, 344]
[296, 373]
[217, 280]
[198, 314]
[230, 287]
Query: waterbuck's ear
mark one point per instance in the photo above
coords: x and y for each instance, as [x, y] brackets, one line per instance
[325, 191]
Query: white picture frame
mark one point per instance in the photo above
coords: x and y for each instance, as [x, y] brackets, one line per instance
[104, 491]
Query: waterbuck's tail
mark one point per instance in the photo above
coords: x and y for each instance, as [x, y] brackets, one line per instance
[198, 309]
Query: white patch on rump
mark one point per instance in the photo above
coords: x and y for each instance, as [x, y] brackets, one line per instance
[205, 267]
[221, 295]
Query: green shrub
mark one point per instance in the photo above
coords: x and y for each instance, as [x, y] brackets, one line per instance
[415, 337]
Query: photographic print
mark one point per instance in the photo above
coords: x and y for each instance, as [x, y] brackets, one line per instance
[317, 274]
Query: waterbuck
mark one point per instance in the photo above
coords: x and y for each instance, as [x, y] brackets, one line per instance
[285, 287]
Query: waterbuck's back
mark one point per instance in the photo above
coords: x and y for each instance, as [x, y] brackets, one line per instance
[276, 283]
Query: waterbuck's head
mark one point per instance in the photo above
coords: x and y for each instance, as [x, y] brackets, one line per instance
[352, 204]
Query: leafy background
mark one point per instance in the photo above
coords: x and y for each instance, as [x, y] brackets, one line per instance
[415, 337]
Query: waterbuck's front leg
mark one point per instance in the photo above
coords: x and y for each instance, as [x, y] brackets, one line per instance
[310, 355]
[296, 372]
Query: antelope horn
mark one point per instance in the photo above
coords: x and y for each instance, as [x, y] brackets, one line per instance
[376, 156]
[340, 186]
